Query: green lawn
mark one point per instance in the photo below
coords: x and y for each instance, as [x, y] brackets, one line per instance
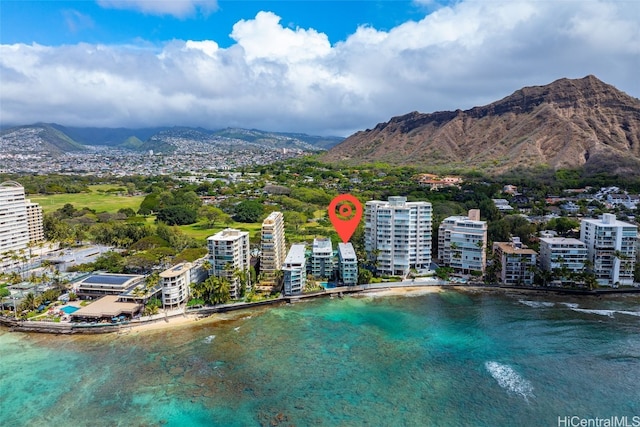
[200, 232]
[97, 199]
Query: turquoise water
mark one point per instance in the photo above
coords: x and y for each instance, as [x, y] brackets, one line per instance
[70, 309]
[444, 359]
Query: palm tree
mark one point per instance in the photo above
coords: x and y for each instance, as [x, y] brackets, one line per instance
[244, 280]
[30, 302]
[216, 290]
[206, 265]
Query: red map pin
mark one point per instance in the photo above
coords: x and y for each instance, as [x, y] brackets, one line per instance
[345, 212]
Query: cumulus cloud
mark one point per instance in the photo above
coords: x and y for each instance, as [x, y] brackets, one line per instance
[278, 78]
[177, 8]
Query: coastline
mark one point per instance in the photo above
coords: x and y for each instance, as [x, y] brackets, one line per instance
[180, 319]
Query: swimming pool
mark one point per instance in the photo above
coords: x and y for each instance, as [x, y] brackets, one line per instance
[69, 309]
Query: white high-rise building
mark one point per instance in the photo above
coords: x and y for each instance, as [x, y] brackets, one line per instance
[347, 264]
[272, 246]
[295, 270]
[34, 222]
[398, 235]
[611, 246]
[229, 254]
[462, 242]
[562, 252]
[14, 225]
[322, 258]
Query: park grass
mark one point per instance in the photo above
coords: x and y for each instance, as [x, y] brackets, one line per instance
[306, 232]
[98, 199]
[200, 231]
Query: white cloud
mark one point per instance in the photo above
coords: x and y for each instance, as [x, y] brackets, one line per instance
[278, 78]
[177, 8]
[264, 37]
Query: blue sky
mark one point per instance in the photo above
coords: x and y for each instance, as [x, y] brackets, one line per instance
[320, 67]
[64, 22]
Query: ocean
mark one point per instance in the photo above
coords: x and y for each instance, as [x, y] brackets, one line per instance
[472, 358]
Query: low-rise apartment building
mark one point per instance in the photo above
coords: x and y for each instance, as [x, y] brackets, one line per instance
[295, 270]
[517, 262]
[347, 265]
[562, 252]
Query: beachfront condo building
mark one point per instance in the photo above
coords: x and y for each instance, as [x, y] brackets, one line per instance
[398, 235]
[347, 264]
[175, 284]
[14, 224]
[557, 253]
[611, 246]
[229, 257]
[517, 262]
[322, 258]
[462, 243]
[34, 222]
[295, 270]
[272, 246]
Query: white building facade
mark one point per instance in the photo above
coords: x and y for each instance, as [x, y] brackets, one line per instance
[272, 245]
[295, 270]
[322, 258]
[611, 246]
[561, 252]
[462, 242]
[228, 255]
[347, 265]
[175, 284]
[398, 235]
[14, 225]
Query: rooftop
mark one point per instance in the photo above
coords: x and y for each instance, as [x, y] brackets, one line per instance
[510, 248]
[107, 306]
[110, 279]
[296, 254]
[176, 270]
[346, 250]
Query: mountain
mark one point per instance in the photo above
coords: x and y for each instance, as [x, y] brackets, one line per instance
[566, 124]
[37, 138]
[56, 139]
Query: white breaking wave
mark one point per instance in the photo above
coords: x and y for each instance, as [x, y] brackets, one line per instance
[631, 313]
[608, 313]
[570, 304]
[536, 304]
[509, 379]
[208, 339]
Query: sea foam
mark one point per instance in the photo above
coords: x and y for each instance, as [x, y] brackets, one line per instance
[536, 304]
[208, 339]
[509, 379]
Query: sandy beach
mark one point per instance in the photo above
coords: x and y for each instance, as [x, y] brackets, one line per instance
[191, 319]
[170, 322]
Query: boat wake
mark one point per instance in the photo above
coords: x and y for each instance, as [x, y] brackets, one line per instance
[509, 379]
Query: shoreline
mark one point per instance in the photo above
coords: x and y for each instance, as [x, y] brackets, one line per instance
[216, 313]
